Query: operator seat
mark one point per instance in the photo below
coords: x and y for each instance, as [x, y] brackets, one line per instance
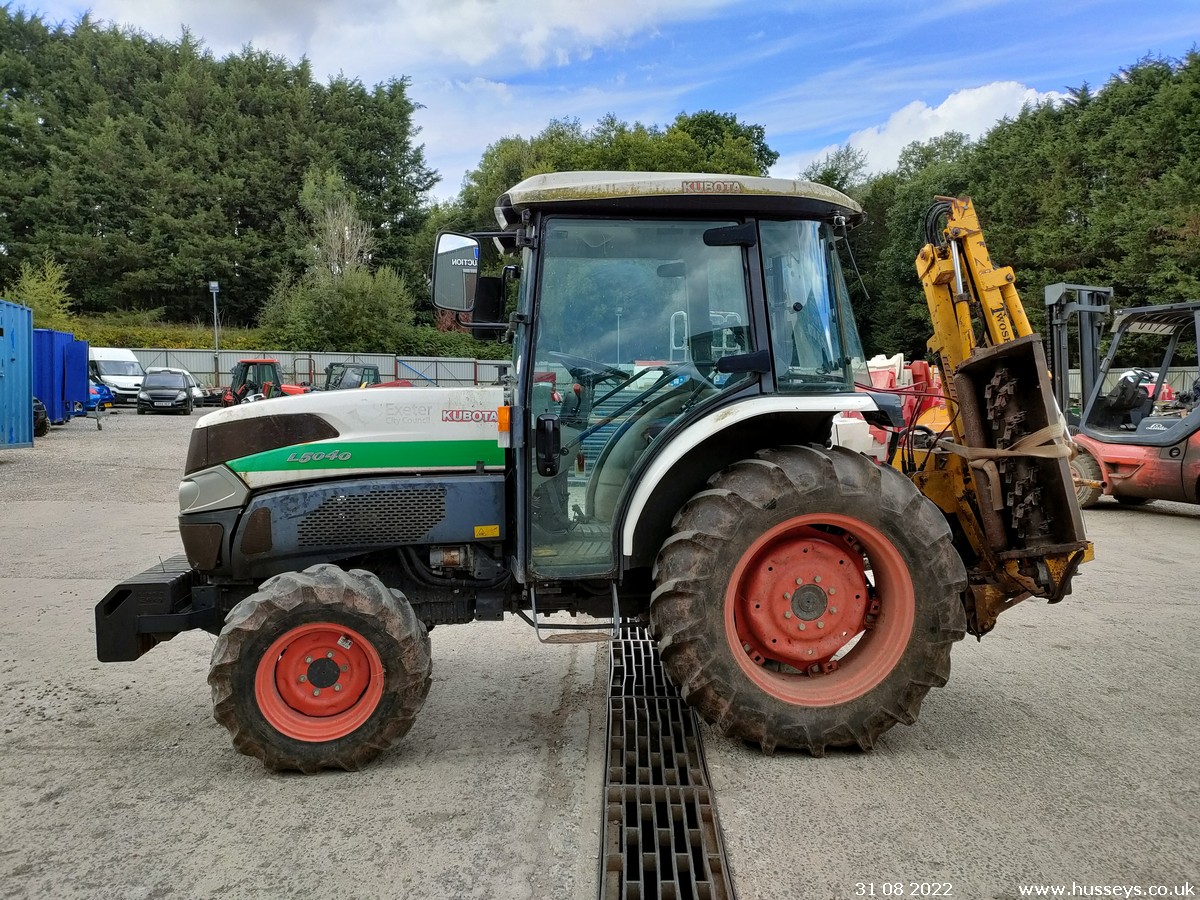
[1125, 405]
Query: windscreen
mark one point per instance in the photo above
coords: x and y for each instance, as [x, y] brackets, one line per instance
[119, 367]
[163, 380]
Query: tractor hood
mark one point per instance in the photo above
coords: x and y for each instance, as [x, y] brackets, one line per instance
[338, 434]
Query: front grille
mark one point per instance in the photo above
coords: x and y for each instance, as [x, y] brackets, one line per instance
[383, 516]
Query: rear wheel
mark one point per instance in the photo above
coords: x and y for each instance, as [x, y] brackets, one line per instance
[320, 669]
[1084, 468]
[809, 598]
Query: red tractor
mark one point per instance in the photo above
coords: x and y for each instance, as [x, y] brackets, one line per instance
[1139, 440]
[257, 379]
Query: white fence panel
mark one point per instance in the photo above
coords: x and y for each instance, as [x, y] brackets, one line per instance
[301, 367]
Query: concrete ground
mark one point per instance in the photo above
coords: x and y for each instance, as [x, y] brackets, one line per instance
[1063, 750]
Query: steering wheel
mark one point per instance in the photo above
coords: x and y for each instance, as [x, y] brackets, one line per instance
[584, 369]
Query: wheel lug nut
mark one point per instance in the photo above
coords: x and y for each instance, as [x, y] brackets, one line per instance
[303, 678]
[831, 591]
[316, 692]
[820, 624]
[832, 609]
[308, 659]
[347, 668]
[787, 596]
[337, 687]
[800, 625]
[799, 581]
[746, 647]
[810, 653]
[329, 655]
[817, 579]
[787, 613]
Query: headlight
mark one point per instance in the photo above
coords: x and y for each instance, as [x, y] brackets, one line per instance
[142, 395]
[182, 395]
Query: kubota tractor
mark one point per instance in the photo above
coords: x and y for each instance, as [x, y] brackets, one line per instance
[659, 452]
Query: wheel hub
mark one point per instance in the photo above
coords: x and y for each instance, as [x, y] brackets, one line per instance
[319, 671]
[809, 602]
[801, 598]
[323, 672]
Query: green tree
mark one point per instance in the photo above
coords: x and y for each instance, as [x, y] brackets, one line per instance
[338, 303]
[43, 287]
[148, 167]
[728, 145]
[706, 141]
[843, 169]
[355, 311]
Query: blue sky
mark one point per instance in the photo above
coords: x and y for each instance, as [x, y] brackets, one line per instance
[815, 74]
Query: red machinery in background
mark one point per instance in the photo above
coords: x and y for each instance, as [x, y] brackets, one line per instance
[1140, 440]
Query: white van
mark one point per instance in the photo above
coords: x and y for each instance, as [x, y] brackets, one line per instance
[119, 369]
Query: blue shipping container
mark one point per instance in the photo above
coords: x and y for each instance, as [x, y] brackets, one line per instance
[50, 372]
[16, 375]
[77, 382]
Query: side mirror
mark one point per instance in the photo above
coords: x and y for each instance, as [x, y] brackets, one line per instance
[455, 271]
[489, 307]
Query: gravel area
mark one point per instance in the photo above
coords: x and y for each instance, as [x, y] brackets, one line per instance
[1063, 749]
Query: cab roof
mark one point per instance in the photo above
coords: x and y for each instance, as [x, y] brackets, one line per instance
[675, 192]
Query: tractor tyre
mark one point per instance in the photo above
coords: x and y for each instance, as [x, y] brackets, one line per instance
[320, 669]
[1085, 468]
[1133, 501]
[41, 427]
[808, 598]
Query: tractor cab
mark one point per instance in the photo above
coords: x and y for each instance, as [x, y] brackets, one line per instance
[257, 379]
[342, 376]
[637, 322]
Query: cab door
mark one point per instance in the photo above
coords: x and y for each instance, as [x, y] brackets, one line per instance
[630, 319]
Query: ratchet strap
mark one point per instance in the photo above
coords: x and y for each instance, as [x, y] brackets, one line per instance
[1045, 443]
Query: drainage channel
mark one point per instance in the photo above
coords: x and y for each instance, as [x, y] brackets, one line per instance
[661, 836]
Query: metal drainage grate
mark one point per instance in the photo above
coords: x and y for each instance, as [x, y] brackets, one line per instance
[661, 837]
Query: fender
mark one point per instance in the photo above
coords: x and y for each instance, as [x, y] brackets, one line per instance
[726, 417]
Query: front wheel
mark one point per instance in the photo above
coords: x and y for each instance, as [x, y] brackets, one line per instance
[808, 598]
[320, 669]
[1085, 472]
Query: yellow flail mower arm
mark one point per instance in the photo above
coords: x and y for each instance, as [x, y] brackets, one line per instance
[999, 470]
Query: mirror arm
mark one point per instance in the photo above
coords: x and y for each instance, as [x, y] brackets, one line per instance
[477, 326]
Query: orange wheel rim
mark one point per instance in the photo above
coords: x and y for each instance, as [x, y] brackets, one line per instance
[319, 682]
[819, 609]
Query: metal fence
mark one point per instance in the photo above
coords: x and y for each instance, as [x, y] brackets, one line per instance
[309, 368]
[1179, 378]
[301, 367]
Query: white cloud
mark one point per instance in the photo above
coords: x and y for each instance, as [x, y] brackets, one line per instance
[973, 111]
[461, 118]
[383, 38]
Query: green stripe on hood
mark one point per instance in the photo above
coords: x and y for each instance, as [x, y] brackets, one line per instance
[373, 455]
